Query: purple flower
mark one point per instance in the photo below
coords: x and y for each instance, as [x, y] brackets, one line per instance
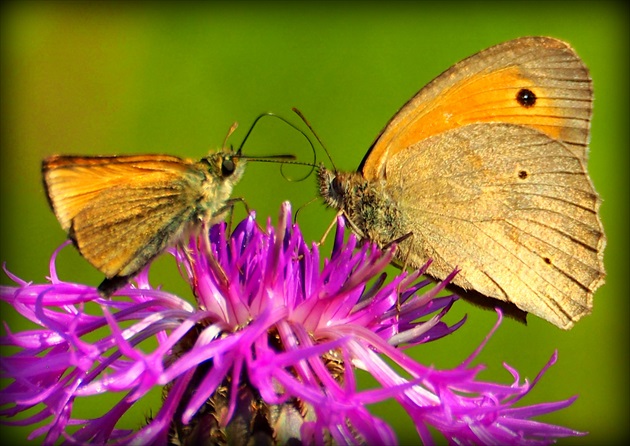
[269, 352]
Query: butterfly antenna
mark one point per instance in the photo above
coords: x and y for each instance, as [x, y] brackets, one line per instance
[310, 127]
[284, 159]
[273, 115]
[229, 133]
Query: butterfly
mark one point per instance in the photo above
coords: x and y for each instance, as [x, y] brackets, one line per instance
[484, 170]
[123, 211]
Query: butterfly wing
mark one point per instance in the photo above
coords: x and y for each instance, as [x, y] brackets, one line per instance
[121, 211]
[537, 82]
[126, 227]
[509, 206]
[73, 182]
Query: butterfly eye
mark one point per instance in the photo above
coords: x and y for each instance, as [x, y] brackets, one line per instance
[337, 187]
[227, 167]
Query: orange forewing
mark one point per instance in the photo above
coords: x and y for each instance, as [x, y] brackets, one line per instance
[484, 87]
[73, 182]
[92, 196]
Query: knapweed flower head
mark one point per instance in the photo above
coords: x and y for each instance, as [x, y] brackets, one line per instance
[269, 353]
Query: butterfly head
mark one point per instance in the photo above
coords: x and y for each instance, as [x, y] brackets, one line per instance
[332, 188]
[341, 190]
[225, 166]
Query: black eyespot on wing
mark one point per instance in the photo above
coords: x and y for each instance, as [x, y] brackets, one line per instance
[526, 98]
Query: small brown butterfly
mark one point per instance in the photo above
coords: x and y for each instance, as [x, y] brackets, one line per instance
[484, 170]
[123, 211]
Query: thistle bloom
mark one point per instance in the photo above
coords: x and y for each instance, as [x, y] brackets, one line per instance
[269, 352]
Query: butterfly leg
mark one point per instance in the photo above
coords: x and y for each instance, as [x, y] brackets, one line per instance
[216, 269]
[187, 252]
[228, 208]
[405, 263]
[329, 228]
[352, 225]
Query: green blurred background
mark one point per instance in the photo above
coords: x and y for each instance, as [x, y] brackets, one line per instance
[149, 77]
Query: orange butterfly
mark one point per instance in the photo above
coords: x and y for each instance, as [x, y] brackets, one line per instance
[122, 211]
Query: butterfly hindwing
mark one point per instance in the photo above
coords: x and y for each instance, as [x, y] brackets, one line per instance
[512, 208]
